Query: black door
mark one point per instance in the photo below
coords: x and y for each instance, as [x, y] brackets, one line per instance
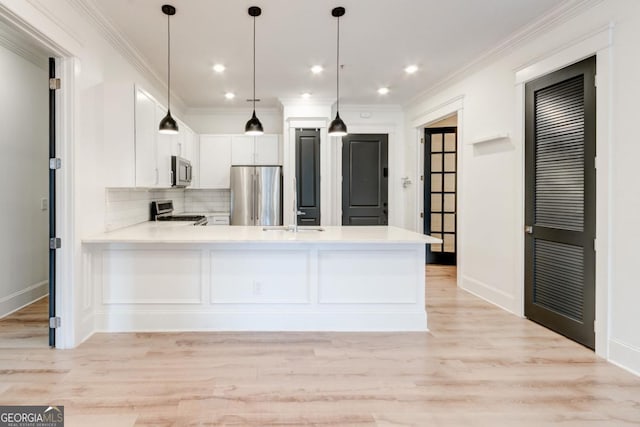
[52, 203]
[440, 162]
[365, 174]
[560, 201]
[308, 175]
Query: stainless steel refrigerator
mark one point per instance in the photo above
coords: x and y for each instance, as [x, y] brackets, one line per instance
[256, 195]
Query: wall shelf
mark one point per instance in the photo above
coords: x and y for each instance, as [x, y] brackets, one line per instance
[498, 136]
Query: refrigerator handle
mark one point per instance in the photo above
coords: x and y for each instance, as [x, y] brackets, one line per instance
[254, 199]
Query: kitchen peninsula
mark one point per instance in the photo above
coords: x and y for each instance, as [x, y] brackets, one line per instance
[159, 277]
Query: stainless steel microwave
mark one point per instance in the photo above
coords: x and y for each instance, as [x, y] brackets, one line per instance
[181, 172]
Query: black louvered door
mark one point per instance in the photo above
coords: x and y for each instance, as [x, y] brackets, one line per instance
[560, 201]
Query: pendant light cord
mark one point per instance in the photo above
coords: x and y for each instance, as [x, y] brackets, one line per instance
[254, 64]
[168, 64]
[338, 68]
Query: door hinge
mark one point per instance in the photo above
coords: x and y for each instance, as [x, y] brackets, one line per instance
[421, 140]
[421, 214]
[55, 163]
[421, 177]
[54, 84]
[595, 244]
[595, 80]
[55, 322]
[595, 325]
[55, 243]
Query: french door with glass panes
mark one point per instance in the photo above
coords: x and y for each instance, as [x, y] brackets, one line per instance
[440, 193]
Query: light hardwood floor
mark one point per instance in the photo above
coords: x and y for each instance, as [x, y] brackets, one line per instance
[479, 366]
[27, 327]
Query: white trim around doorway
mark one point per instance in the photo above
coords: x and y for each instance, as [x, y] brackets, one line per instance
[419, 123]
[21, 16]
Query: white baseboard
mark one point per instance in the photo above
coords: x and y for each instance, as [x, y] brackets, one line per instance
[166, 321]
[17, 300]
[625, 356]
[489, 294]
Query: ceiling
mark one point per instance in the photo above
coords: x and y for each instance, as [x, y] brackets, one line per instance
[378, 39]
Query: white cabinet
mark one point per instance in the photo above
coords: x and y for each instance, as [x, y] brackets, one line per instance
[215, 161]
[146, 133]
[165, 148]
[255, 150]
[267, 150]
[242, 150]
[218, 220]
[153, 150]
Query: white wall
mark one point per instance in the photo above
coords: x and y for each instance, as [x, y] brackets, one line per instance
[491, 174]
[232, 121]
[24, 181]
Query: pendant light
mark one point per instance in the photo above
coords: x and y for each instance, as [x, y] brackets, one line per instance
[253, 126]
[168, 125]
[338, 127]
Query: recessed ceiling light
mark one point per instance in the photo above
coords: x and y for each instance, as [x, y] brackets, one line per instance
[411, 69]
[383, 90]
[229, 95]
[317, 69]
[219, 68]
[306, 95]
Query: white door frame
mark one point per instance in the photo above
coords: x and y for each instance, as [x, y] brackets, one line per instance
[598, 43]
[419, 123]
[65, 227]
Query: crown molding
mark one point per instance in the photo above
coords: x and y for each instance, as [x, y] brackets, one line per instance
[110, 33]
[558, 15]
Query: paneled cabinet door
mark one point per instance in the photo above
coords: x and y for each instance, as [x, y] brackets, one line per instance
[267, 150]
[146, 132]
[242, 151]
[166, 147]
[215, 161]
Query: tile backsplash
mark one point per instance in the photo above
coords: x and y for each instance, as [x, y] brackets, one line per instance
[130, 206]
[196, 200]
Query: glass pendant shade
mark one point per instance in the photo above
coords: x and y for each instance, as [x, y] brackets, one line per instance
[253, 126]
[337, 127]
[168, 125]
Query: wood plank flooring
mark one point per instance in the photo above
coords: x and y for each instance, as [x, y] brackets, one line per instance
[478, 366]
[27, 327]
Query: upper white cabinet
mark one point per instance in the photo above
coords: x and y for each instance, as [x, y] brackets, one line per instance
[153, 150]
[215, 161]
[146, 134]
[255, 150]
[242, 150]
[267, 150]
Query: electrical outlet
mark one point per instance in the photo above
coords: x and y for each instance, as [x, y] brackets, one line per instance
[44, 204]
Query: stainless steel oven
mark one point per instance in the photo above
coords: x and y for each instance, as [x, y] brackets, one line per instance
[181, 172]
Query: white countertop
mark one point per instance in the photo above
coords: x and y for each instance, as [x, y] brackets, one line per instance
[180, 232]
